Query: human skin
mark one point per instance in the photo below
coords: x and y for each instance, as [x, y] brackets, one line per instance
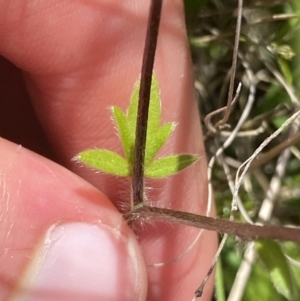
[76, 58]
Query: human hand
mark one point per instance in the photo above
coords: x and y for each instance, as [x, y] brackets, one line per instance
[60, 237]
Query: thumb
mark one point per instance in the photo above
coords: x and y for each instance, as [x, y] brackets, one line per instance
[60, 238]
[80, 261]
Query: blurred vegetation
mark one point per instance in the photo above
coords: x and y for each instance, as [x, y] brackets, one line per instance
[270, 51]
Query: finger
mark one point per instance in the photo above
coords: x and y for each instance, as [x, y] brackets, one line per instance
[55, 242]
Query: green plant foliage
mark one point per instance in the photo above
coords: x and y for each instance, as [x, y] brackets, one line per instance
[124, 132]
[259, 286]
[219, 283]
[167, 166]
[284, 51]
[157, 135]
[285, 70]
[192, 6]
[275, 262]
[159, 139]
[106, 161]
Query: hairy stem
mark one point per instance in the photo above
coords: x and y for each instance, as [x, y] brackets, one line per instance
[242, 230]
[144, 99]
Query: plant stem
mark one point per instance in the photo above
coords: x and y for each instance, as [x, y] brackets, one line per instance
[234, 62]
[144, 99]
[242, 230]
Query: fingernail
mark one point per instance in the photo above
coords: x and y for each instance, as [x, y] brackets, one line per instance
[79, 261]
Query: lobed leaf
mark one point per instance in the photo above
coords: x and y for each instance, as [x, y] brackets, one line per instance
[125, 133]
[154, 107]
[110, 162]
[132, 109]
[160, 138]
[170, 165]
[274, 260]
[106, 161]
[126, 124]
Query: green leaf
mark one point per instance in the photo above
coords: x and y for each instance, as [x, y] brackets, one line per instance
[154, 107]
[156, 136]
[125, 133]
[274, 260]
[168, 166]
[159, 139]
[110, 162]
[106, 161]
[132, 110]
[285, 69]
[277, 122]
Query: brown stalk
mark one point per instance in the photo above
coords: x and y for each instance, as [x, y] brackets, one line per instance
[144, 99]
[242, 230]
